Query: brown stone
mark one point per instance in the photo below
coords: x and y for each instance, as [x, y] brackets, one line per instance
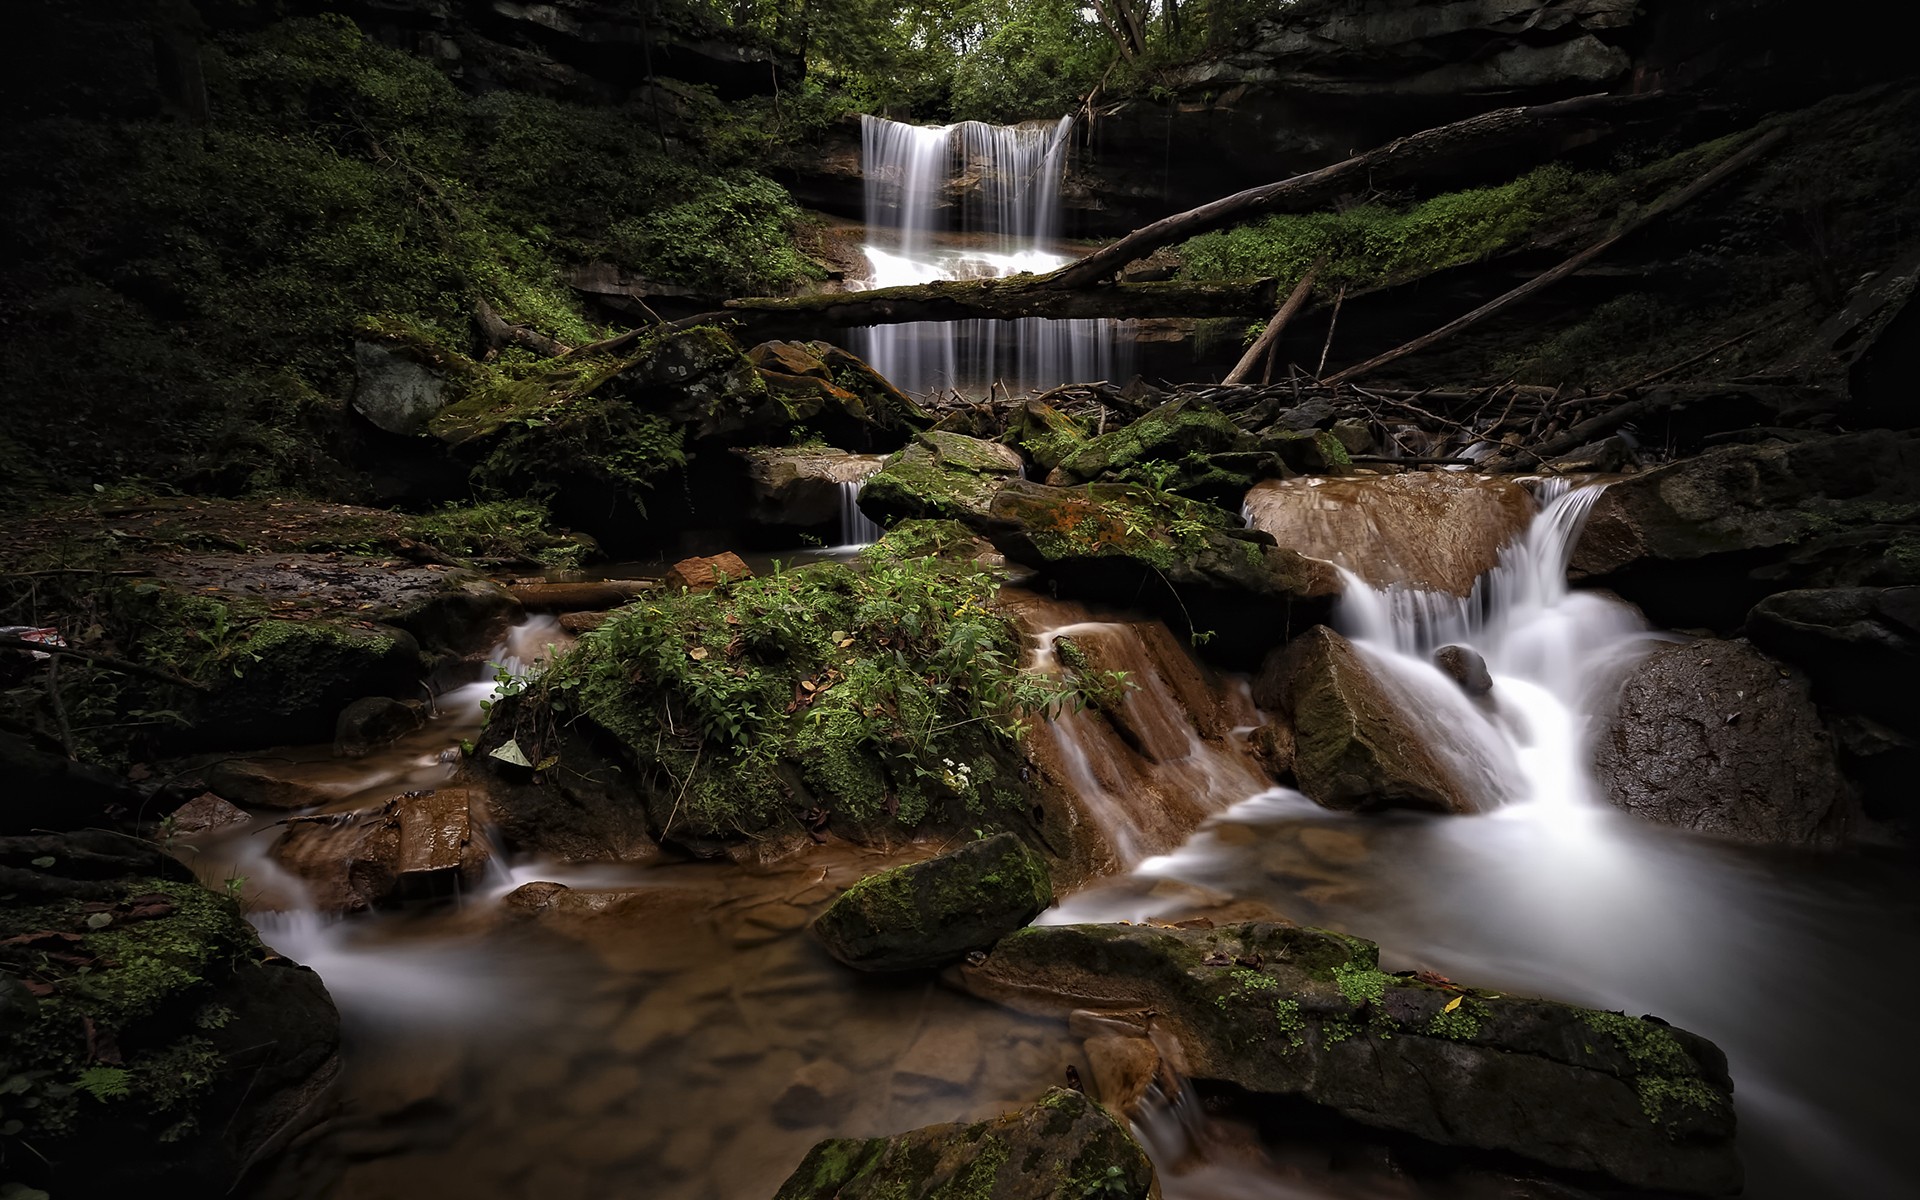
[260, 784]
[582, 622]
[204, 813]
[699, 574]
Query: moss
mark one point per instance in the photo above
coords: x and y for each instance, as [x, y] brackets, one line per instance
[1462, 1024]
[1361, 985]
[1665, 1075]
[500, 530]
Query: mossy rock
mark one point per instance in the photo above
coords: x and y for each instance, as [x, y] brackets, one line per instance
[1065, 1147]
[931, 913]
[1280, 1010]
[159, 1045]
[940, 476]
[1045, 434]
[1173, 447]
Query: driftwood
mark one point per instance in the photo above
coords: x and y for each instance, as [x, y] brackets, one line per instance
[1263, 345]
[1728, 166]
[579, 597]
[497, 332]
[1315, 189]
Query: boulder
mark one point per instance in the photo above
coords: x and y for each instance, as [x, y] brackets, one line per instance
[838, 393]
[1464, 667]
[798, 486]
[1698, 542]
[372, 722]
[700, 574]
[394, 388]
[1859, 646]
[1435, 530]
[1353, 745]
[1715, 736]
[1307, 1014]
[264, 783]
[1044, 434]
[1173, 447]
[1064, 1147]
[204, 813]
[932, 913]
[942, 476]
[418, 846]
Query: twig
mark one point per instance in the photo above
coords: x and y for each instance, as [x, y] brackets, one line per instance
[1331, 322]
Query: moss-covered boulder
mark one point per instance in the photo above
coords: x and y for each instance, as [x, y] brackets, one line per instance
[801, 485]
[1303, 1013]
[940, 476]
[842, 396]
[1045, 434]
[150, 1042]
[929, 914]
[1065, 1147]
[1354, 747]
[1181, 446]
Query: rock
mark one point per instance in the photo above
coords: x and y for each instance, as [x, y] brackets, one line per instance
[1354, 435]
[700, 574]
[1044, 434]
[1354, 748]
[1466, 668]
[1698, 542]
[1437, 530]
[264, 784]
[1306, 1014]
[1065, 1147]
[820, 1093]
[223, 1050]
[586, 595]
[1170, 448]
[48, 790]
[415, 847]
[939, 1060]
[203, 814]
[1859, 646]
[394, 388]
[1273, 745]
[838, 393]
[796, 486]
[578, 623]
[373, 721]
[931, 913]
[1715, 736]
[942, 475]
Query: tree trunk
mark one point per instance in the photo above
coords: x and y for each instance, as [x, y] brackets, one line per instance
[1263, 345]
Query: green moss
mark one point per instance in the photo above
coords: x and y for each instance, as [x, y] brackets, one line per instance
[1665, 1075]
[1361, 985]
[501, 530]
[1460, 1025]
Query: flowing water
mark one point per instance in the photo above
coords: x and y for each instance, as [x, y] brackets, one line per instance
[973, 201]
[682, 1035]
[856, 528]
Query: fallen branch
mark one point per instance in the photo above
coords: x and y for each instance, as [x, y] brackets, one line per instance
[1395, 160]
[1296, 299]
[100, 660]
[1732, 163]
[497, 332]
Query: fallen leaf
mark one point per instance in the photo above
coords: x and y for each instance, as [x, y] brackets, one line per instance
[845, 642]
[1453, 1004]
[809, 685]
[99, 920]
[698, 653]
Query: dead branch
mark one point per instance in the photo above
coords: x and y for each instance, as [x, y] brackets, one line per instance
[1296, 299]
[101, 660]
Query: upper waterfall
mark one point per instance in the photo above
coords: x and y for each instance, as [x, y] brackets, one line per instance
[973, 201]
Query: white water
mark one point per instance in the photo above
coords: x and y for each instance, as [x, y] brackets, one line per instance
[856, 529]
[1007, 224]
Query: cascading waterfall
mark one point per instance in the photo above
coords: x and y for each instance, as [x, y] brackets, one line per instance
[856, 529]
[1007, 222]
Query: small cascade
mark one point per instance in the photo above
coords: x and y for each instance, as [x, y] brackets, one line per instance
[1005, 221]
[856, 529]
[1554, 654]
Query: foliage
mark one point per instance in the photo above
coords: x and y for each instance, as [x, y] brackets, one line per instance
[499, 529]
[887, 691]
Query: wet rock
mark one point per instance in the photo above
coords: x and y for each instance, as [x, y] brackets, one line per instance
[1273, 745]
[931, 913]
[578, 623]
[259, 783]
[838, 393]
[1437, 530]
[941, 1059]
[1045, 434]
[203, 814]
[1181, 446]
[1354, 748]
[396, 387]
[1065, 1147]
[532, 899]
[419, 846]
[1715, 736]
[1466, 668]
[793, 486]
[1285, 1011]
[1698, 542]
[941, 475]
[1354, 435]
[820, 1094]
[700, 574]
[48, 790]
[372, 722]
[1859, 646]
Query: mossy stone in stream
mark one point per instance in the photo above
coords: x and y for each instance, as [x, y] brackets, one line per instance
[1064, 1147]
[1172, 447]
[1044, 433]
[941, 476]
[1280, 1010]
[931, 913]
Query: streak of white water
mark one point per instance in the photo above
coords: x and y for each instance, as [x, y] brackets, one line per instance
[909, 172]
[856, 528]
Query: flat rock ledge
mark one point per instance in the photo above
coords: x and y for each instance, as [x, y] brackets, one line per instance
[1279, 1010]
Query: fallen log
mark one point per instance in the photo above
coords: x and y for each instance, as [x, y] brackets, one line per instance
[991, 299]
[591, 596]
[1243, 370]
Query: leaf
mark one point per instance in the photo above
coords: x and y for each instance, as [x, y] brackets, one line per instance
[809, 685]
[512, 754]
[698, 653]
[845, 642]
[99, 920]
[1453, 1004]
[105, 1083]
[839, 635]
[548, 763]
[44, 861]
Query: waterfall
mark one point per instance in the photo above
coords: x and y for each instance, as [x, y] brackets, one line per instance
[1005, 220]
[1554, 654]
[856, 529]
